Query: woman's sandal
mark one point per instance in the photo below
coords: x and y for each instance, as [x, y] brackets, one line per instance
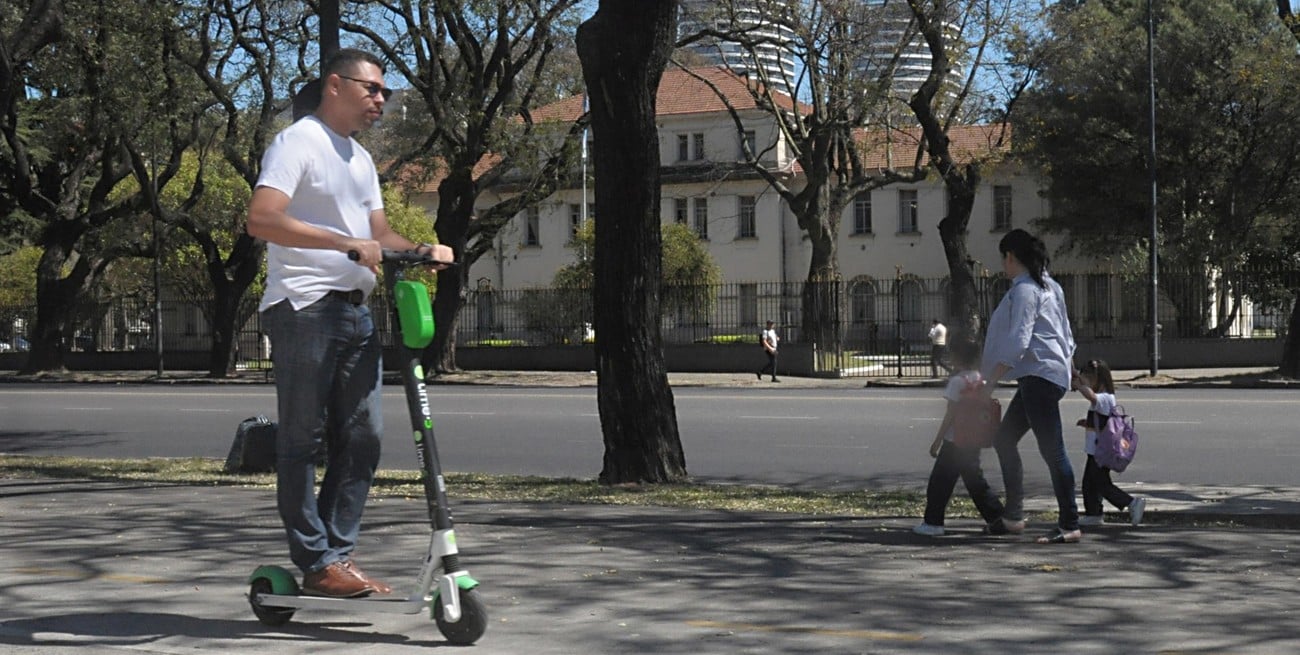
[1061, 537]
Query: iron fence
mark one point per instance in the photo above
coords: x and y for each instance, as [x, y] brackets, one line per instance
[869, 327]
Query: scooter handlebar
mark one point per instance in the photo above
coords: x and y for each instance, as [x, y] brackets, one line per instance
[405, 257]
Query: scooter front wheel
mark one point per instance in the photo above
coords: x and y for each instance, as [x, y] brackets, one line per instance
[272, 616]
[472, 623]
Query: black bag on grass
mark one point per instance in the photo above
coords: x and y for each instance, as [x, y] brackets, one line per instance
[254, 448]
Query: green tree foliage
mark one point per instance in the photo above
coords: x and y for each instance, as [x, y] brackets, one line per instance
[1227, 127]
[87, 90]
[17, 289]
[688, 284]
[412, 222]
[476, 71]
[1227, 133]
[18, 277]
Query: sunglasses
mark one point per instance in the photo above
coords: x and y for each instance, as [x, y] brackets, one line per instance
[372, 88]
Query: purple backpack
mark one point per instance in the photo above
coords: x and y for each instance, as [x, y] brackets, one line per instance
[1117, 441]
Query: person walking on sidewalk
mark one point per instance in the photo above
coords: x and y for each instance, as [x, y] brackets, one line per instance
[316, 200]
[770, 341]
[953, 461]
[938, 348]
[1029, 339]
[1096, 384]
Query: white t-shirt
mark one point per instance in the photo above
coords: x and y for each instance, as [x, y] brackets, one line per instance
[770, 337]
[939, 335]
[957, 384]
[332, 183]
[1104, 406]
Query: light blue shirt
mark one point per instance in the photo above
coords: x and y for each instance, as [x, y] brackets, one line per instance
[1030, 332]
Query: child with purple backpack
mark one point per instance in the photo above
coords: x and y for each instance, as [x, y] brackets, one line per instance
[1096, 383]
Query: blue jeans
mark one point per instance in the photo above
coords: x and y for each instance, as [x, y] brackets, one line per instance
[1036, 406]
[328, 377]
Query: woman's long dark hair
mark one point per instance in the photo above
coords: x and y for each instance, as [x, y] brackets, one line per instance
[1029, 251]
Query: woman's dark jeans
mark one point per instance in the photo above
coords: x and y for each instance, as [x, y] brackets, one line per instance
[1036, 406]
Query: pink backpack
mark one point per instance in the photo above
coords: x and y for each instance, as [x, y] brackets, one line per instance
[975, 419]
[1117, 440]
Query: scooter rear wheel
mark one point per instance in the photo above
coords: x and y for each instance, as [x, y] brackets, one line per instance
[472, 623]
[272, 616]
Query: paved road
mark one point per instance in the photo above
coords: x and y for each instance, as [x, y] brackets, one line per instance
[826, 437]
[121, 568]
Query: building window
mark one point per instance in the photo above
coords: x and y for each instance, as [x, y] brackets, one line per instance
[532, 227]
[747, 301]
[575, 220]
[862, 213]
[747, 221]
[1001, 208]
[681, 211]
[863, 302]
[683, 147]
[698, 139]
[750, 139]
[1099, 308]
[907, 212]
[702, 218]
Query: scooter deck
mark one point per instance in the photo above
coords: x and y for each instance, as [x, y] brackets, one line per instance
[385, 604]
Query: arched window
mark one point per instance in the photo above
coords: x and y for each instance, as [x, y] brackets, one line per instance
[862, 301]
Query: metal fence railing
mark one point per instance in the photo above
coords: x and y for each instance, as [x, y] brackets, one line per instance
[858, 324]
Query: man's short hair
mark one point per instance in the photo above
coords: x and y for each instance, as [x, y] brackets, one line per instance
[347, 60]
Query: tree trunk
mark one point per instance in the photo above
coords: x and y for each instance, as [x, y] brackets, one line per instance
[624, 48]
[820, 309]
[56, 302]
[225, 324]
[456, 195]
[1290, 366]
[963, 302]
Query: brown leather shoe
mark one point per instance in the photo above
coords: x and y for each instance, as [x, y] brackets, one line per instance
[337, 580]
[380, 588]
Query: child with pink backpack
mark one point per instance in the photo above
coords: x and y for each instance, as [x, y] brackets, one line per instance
[1096, 383]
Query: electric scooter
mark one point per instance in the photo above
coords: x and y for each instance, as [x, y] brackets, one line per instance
[443, 586]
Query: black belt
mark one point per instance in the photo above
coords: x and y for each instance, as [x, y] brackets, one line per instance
[354, 296]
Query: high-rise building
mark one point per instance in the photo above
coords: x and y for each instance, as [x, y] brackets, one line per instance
[891, 48]
[894, 51]
[774, 61]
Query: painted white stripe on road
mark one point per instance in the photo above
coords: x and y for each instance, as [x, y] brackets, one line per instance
[87, 409]
[780, 418]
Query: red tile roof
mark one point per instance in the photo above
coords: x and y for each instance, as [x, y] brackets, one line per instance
[680, 92]
[692, 92]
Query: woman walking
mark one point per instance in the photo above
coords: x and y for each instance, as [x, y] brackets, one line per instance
[1029, 340]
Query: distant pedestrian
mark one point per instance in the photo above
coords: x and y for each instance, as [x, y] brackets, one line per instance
[953, 461]
[1029, 339]
[770, 341]
[1095, 382]
[938, 348]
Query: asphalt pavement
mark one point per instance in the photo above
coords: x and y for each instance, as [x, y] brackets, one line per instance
[96, 567]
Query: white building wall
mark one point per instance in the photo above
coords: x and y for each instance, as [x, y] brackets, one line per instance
[778, 252]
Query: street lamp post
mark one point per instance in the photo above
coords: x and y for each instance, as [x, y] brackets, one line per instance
[1153, 347]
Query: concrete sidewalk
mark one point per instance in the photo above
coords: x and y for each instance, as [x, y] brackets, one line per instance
[124, 568]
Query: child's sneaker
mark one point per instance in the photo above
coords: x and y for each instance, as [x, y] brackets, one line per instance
[1091, 520]
[927, 530]
[1135, 510]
